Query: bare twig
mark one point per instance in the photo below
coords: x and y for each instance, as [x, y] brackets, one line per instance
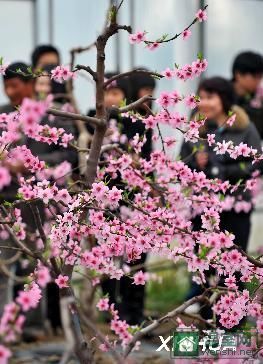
[13, 259]
[134, 105]
[129, 73]
[198, 318]
[42, 234]
[102, 339]
[17, 241]
[109, 147]
[92, 120]
[38, 223]
[11, 275]
[87, 69]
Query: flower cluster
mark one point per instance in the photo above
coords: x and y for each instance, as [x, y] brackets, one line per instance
[30, 297]
[188, 71]
[62, 73]
[119, 327]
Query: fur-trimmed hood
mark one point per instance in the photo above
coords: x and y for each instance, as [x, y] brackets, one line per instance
[242, 118]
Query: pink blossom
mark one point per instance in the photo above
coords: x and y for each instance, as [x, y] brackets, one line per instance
[103, 304]
[210, 139]
[230, 121]
[153, 46]
[137, 37]
[43, 276]
[5, 354]
[186, 34]
[62, 281]
[30, 298]
[3, 68]
[164, 99]
[5, 178]
[168, 73]
[140, 278]
[201, 15]
[61, 73]
[191, 101]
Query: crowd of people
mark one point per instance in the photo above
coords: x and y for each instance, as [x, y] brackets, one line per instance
[218, 96]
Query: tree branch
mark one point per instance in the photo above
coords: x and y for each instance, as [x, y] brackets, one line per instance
[92, 120]
[102, 339]
[134, 105]
[157, 323]
[42, 234]
[176, 35]
[252, 260]
[17, 241]
[87, 69]
[129, 73]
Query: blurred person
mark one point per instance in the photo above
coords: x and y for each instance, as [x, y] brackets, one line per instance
[140, 85]
[131, 307]
[247, 72]
[52, 154]
[217, 98]
[44, 55]
[17, 86]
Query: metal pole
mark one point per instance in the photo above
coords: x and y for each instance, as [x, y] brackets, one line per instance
[35, 23]
[132, 23]
[50, 21]
[117, 43]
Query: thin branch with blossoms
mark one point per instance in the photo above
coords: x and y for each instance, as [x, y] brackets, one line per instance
[156, 323]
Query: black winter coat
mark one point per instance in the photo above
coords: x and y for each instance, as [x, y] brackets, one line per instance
[223, 166]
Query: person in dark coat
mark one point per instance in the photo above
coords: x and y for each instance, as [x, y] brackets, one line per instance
[247, 72]
[132, 303]
[18, 87]
[216, 100]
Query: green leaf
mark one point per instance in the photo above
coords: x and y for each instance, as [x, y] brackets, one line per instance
[204, 251]
[1, 61]
[8, 204]
[123, 103]
[29, 70]
[200, 56]
[242, 166]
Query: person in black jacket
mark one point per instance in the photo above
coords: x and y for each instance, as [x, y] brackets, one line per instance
[247, 72]
[131, 307]
[216, 100]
